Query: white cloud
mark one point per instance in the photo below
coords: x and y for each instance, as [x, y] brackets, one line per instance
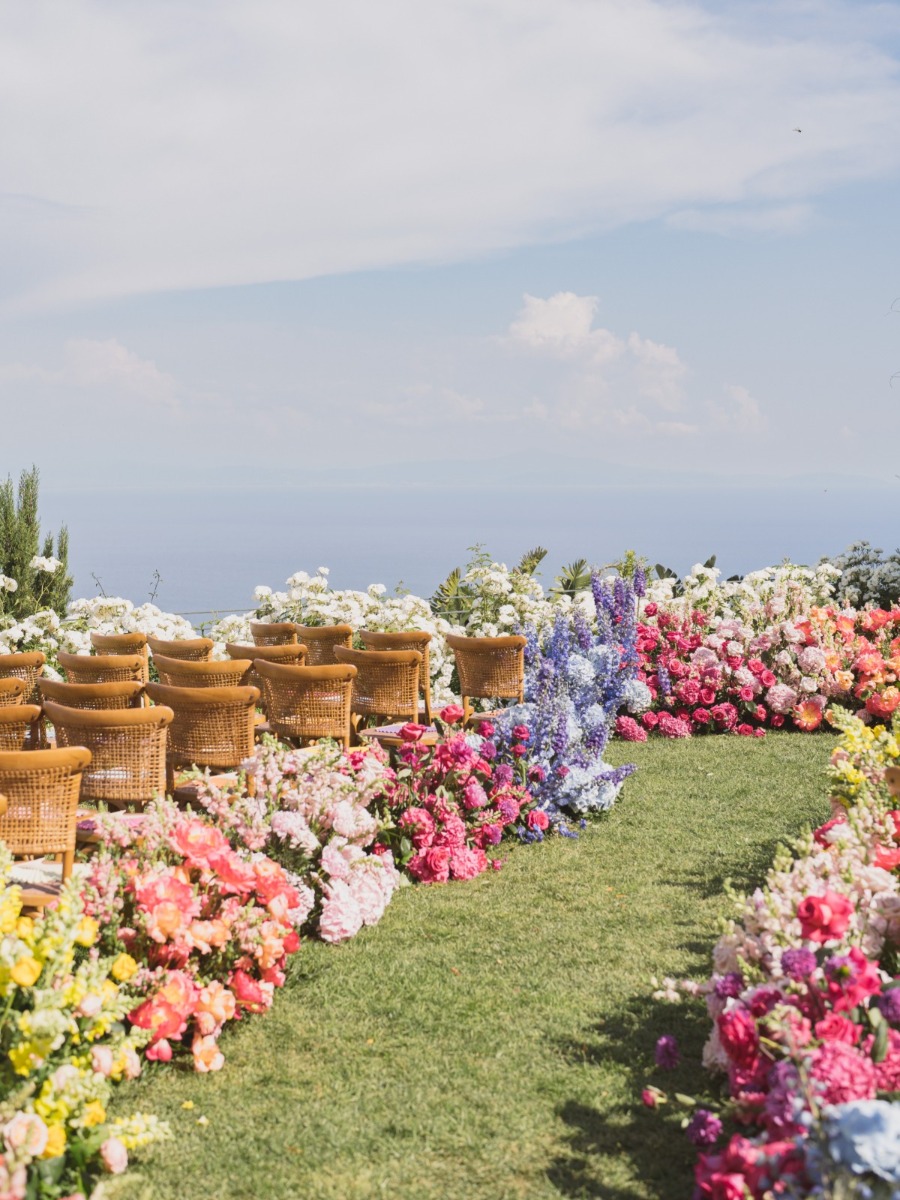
[739, 412]
[100, 367]
[728, 221]
[606, 379]
[161, 146]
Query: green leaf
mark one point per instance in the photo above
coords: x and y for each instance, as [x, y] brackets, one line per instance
[880, 1044]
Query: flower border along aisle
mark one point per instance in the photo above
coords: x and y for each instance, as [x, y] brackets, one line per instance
[805, 1002]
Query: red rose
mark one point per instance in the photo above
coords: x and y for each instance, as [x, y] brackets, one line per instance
[411, 732]
[746, 693]
[745, 730]
[700, 716]
[835, 1028]
[451, 713]
[767, 679]
[537, 819]
[776, 720]
[519, 750]
[651, 609]
[650, 720]
[708, 696]
[739, 1036]
[823, 918]
[760, 712]
[521, 732]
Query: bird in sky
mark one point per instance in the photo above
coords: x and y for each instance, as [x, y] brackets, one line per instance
[798, 131]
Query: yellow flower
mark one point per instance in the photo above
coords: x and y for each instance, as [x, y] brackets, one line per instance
[25, 928]
[26, 971]
[109, 989]
[123, 968]
[56, 1141]
[86, 933]
[94, 1114]
[24, 1058]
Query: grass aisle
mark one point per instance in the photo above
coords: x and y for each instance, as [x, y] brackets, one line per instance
[489, 1040]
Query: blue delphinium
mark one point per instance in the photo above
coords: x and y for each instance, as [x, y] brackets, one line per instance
[577, 679]
[864, 1136]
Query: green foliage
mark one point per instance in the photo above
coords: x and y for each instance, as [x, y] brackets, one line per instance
[20, 544]
[531, 560]
[629, 563]
[574, 577]
[490, 1040]
[868, 577]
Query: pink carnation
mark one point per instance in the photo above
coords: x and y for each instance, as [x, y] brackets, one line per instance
[629, 731]
[466, 863]
[843, 1074]
[673, 727]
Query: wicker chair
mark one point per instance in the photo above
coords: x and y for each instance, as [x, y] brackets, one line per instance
[92, 695]
[12, 691]
[189, 649]
[103, 668]
[123, 643]
[304, 703]
[41, 788]
[292, 655]
[19, 726]
[386, 684]
[489, 668]
[26, 667]
[409, 639]
[128, 748]
[321, 640]
[273, 633]
[211, 727]
[181, 673]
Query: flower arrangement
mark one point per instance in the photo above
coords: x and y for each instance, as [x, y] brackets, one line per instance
[451, 803]
[860, 761]
[805, 1003]
[210, 928]
[577, 677]
[310, 811]
[62, 1032]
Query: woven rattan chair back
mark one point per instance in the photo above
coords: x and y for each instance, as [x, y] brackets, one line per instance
[273, 633]
[41, 788]
[292, 655]
[179, 672]
[27, 667]
[408, 639]
[92, 695]
[123, 643]
[308, 702]
[211, 727]
[320, 642]
[386, 683]
[189, 649]
[18, 726]
[12, 691]
[489, 668]
[128, 749]
[102, 668]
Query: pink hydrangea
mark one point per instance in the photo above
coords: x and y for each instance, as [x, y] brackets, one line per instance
[673, 727]
[629, 731]
[842, 1073]
[341, 917]
[467, 863]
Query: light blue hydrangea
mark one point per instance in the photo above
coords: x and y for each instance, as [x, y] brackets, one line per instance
[636, 696]
[594, 717]
[579, 671]
[864, 1136]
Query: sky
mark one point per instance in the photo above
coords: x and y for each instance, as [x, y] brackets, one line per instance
[632, 245]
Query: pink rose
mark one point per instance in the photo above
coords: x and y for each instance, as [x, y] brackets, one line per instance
[431, 865]
[450, 714]
[824, 918]
[835, 1028]
[114, 1156]
[537, 819]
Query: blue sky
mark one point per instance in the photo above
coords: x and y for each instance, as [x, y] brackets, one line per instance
[287, 238]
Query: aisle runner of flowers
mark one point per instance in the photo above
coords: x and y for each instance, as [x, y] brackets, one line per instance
[805, 1003]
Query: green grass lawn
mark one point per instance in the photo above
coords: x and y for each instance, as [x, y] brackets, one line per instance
[489, 1040]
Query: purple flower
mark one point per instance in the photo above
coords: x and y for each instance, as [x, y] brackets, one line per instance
[639, 582]
[798, 964]
[729, 986]
[488, 750]
[704, 1128]
[503, 775]
[889, 1003]
[493, 833]
[667, 1055]
[840, 968]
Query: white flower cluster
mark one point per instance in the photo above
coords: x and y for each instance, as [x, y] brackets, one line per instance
[761, 597]
[506, 601]
[48, 565]
[8, 584]
[47, 632]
